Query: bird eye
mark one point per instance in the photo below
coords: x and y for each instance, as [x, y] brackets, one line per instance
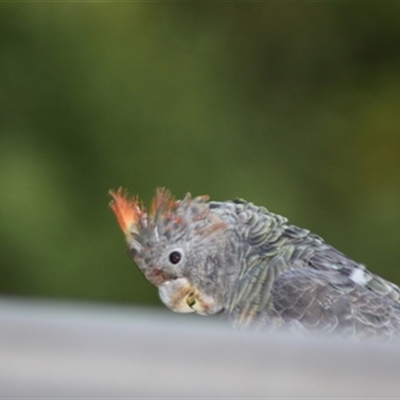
[175, 257]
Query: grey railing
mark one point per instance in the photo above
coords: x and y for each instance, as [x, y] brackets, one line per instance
[72, 350]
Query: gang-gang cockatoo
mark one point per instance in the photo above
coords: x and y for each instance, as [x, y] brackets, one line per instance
[240, 260]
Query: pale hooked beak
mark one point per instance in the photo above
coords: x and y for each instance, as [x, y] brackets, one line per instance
[174, 295]
[181, 296]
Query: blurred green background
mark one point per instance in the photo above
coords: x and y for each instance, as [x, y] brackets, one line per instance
[294, 106]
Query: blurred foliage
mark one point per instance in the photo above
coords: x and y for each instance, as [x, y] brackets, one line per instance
[294, 106]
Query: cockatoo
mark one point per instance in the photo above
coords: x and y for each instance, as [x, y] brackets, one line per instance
[240, 260]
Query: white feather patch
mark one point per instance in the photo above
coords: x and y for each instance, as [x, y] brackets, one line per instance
[359, 277]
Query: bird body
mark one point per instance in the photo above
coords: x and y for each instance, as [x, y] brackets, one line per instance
[240, 260]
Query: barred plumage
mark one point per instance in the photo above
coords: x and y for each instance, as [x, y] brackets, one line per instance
[253, 266]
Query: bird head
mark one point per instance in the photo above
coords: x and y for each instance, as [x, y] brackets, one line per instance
[177, 244]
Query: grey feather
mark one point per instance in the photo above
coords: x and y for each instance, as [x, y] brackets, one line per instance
[256, 268]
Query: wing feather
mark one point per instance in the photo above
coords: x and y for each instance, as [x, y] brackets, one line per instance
[330, 302]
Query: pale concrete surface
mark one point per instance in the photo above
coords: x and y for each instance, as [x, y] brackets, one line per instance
[72, 350]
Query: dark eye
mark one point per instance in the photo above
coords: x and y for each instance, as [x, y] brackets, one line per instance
[175, 257]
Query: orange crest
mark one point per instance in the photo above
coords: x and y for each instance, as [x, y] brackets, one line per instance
[162, 202]
[127, 211]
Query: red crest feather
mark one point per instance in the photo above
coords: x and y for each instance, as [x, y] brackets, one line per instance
[162, 202]
[127, 211]
[134, 220]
